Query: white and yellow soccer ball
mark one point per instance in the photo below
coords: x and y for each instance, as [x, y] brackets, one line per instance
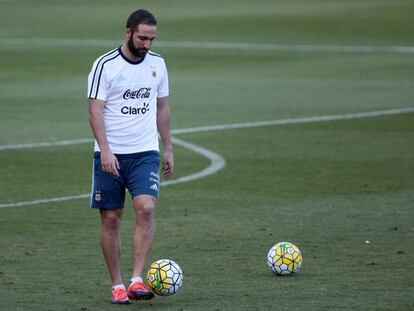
[284, 258]
[164, 277]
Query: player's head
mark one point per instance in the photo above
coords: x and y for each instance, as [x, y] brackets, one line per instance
[141, 29]
[140, 17]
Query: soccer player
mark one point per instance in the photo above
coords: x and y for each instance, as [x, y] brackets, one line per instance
[128, 107]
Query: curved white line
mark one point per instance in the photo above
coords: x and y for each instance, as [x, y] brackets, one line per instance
[217, 163]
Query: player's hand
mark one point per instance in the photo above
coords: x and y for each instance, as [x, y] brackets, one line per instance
[109, 163]
[168, 164]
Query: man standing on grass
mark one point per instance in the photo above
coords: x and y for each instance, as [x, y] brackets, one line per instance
[128, 106]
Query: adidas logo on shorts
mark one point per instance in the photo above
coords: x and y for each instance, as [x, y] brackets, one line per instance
[154, 187]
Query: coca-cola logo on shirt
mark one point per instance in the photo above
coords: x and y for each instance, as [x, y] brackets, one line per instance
[143, 92]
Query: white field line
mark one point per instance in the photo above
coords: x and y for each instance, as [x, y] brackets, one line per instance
[61, 42]
[46, 144]
[216, 161]
[288, 47]
[46, 201]
[313, 119]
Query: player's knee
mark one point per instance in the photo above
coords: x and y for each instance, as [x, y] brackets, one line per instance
[111, 221]
[146, 211]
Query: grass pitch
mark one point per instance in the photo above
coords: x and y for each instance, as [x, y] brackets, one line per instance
[342, 191]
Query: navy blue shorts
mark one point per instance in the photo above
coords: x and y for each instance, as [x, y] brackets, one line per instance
[139, 173]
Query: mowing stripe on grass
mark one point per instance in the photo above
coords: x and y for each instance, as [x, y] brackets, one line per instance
[216, 161]
[61, 42]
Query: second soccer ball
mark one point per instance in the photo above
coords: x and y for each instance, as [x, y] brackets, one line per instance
[284, 258]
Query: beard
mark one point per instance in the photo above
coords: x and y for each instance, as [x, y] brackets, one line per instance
[140, 53]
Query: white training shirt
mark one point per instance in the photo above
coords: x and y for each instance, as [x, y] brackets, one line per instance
[130, 91]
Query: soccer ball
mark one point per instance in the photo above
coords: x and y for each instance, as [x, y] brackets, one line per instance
[164, 277]
[284, 258]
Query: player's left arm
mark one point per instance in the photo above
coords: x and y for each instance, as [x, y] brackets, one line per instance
[163, 125]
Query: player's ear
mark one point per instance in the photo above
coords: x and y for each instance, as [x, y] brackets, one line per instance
[128, 32]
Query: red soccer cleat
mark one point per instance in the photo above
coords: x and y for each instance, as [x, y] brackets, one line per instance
[120, 297]
[138, 291]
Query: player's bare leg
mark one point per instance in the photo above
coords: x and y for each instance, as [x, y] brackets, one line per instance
[111, 242]
[144, 231]
[143, 239]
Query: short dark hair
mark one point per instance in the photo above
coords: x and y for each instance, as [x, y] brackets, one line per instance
[140, 17]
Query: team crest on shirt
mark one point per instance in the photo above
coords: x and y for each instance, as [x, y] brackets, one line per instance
[153, 72]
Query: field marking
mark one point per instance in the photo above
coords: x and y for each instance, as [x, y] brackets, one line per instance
[45, 201]
[304, 120]
[47, 144]
[216, 161]
[62, 42]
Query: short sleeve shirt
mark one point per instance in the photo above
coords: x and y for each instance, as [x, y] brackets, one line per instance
[130, 91]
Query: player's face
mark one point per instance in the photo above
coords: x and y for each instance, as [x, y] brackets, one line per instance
[140, 39]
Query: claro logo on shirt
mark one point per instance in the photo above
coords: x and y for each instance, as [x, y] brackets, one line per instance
[143, 92]
[135, 110]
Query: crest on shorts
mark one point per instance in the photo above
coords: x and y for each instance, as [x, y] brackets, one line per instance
[98, 197]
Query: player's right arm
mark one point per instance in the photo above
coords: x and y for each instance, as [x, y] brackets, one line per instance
[108, 160]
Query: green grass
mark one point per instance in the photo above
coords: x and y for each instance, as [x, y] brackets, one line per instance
[327, 187]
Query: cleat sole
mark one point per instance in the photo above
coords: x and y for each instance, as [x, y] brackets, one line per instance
[141, 296]
[121, 302]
